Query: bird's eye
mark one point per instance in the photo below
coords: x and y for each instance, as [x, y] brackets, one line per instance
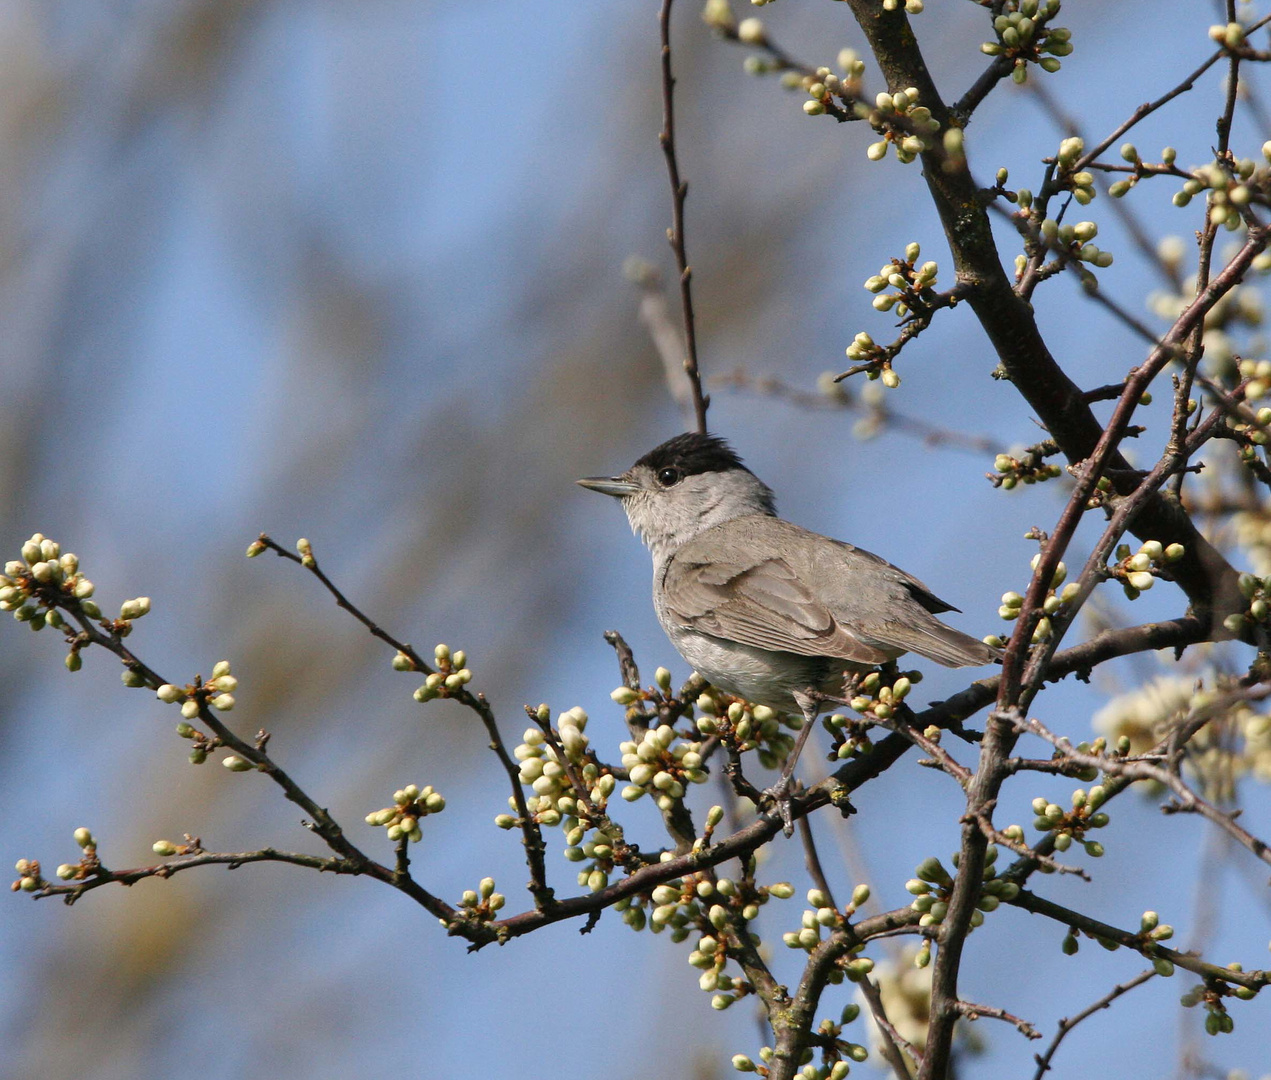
[668, 476]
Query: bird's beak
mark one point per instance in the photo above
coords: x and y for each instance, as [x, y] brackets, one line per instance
[609, 485]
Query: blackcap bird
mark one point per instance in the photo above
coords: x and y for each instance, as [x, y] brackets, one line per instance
[761, 608]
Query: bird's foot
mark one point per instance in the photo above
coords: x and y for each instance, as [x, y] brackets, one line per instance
[779, 793]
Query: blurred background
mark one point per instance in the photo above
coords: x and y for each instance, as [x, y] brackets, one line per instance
[354, 272]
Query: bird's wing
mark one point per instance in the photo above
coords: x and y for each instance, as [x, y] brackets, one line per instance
[758, 601]
[749, 581]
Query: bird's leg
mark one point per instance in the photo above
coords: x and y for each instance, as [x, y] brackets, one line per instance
[809, 704]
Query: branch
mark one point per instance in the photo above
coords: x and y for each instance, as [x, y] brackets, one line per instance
[679, 191]
[1140, 943]
[1206, 577]
[892, 1041]
[71, 893]
[531, 834]
[1066, 1025]
[1139, 769]
[973, 1012]
[842, 401]
[1175, 457]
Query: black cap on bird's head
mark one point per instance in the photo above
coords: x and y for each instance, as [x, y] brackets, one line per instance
[692, 454]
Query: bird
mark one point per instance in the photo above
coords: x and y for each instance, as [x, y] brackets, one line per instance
[762, 608]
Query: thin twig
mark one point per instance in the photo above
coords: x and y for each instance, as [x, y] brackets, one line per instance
[1138, 769]
[531, 834]
[843, 401]
[973, 1011]
[1066, 1025]
[679, 191]
[1140, 943]
[893, 1041]
[72, 892]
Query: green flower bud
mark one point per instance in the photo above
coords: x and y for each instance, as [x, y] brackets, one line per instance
[73, 661]
[163, 847]
[931, 869]
[1235, 624]
[236, 764]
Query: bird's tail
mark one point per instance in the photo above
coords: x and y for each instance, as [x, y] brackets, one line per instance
[943, 644]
